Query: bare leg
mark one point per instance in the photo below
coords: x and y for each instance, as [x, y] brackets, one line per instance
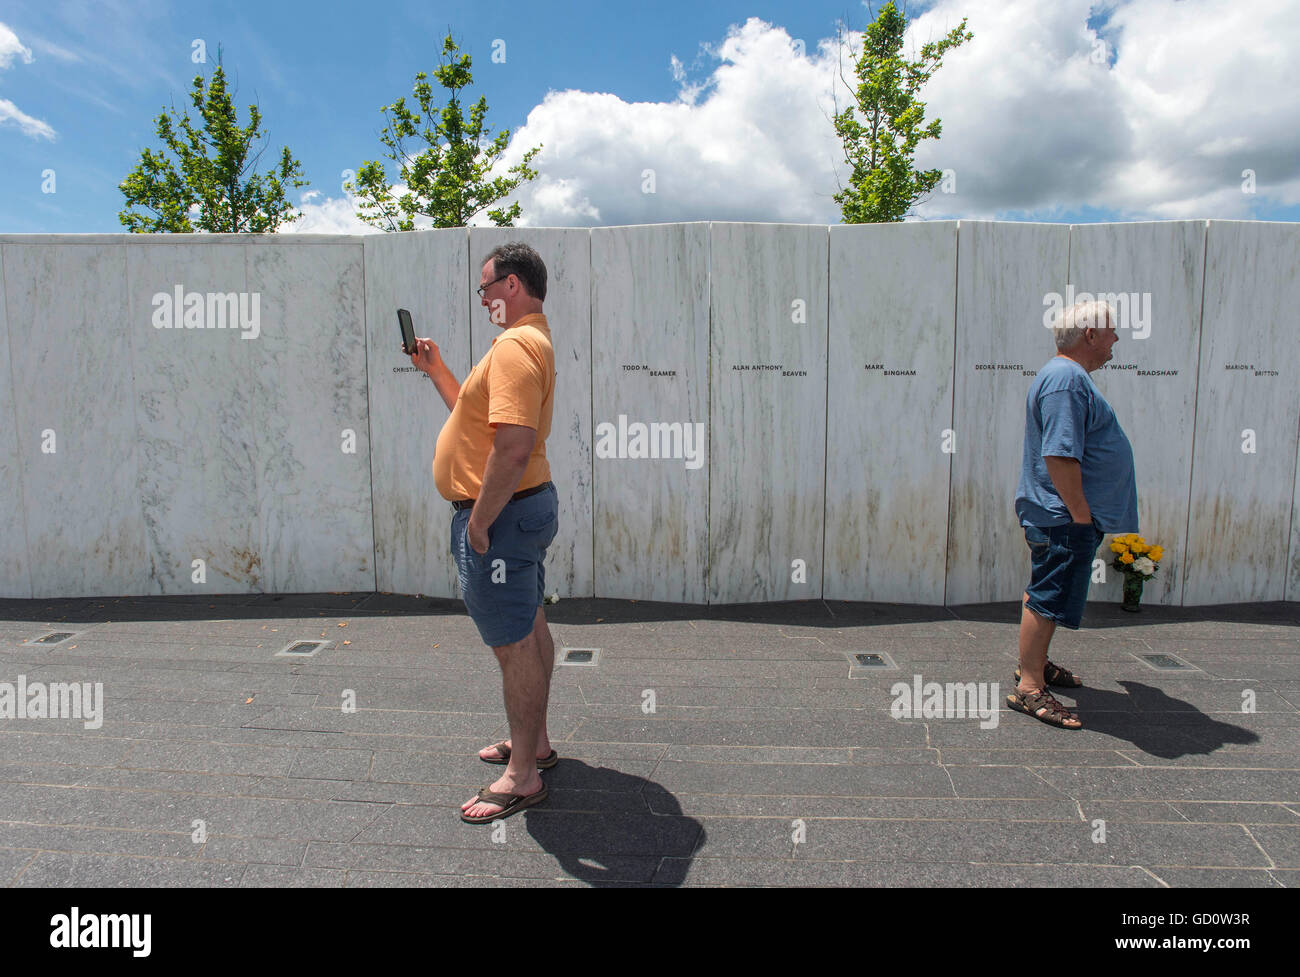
[526, 689]
[1035, 635]
[546, 651]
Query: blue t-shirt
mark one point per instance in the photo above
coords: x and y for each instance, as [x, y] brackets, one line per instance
[1066, 416]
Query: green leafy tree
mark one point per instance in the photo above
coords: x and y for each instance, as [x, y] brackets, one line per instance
[880, 149]
[211, 167]
[445, 180]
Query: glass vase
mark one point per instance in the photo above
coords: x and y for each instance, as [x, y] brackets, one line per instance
[1132, 592]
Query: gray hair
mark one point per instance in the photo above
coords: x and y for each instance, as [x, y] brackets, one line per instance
[1070, 324]
[517, 258]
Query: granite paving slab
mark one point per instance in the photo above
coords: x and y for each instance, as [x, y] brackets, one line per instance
[764, 761]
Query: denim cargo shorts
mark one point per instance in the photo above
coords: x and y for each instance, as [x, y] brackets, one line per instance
[503, 587]
[1062, 567]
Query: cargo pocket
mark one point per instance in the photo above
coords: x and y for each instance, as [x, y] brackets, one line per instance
[539, 528]
[1037, 540]
[538, 520]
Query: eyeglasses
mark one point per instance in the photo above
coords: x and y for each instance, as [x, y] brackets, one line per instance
[483, 288]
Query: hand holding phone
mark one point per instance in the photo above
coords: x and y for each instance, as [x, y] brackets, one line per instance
[426, 356]
[408, 332]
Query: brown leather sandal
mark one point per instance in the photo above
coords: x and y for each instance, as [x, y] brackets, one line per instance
[1055, 675]
[1030, 702]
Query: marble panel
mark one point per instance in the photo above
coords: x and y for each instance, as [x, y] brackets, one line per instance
[308, 367]
[195, 422]
[70, 354]
[890, 400]
[15, 572]
[767, 411]
[650, 360]
[425, 272]
[1247, 413]
[567, 255]
[1004, 273]
[1151, 379]
[1293, 563]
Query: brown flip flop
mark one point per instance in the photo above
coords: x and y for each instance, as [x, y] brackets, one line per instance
[510, 804]
[543, 763]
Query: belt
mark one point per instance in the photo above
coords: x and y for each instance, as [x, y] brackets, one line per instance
[469, 503]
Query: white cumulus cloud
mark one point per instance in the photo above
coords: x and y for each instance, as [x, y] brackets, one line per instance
[1184, 96]
[322, 215]
[11, 48]
[9, 112]
[1154, 112]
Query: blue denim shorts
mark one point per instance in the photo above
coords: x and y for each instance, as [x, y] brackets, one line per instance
[503, 587]
[1062, 567]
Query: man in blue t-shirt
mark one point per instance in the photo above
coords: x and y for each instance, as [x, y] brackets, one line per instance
[1077, 482]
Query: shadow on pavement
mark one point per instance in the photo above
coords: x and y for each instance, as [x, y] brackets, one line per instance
[1104, 614]
[1153, 721]
[588, 610]
[613, 844]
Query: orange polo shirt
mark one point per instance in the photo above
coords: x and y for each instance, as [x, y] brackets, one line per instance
[514, 383]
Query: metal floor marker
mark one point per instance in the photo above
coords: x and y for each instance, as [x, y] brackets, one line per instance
[52, 638]
[862, 662]
[301, 649]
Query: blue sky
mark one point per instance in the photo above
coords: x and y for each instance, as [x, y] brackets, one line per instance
[1059, 110]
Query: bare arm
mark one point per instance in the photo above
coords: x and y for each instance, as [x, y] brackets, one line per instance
[429, 360]
[1067, 478]
[511, 448]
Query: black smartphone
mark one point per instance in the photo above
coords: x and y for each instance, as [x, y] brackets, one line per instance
[408, 331]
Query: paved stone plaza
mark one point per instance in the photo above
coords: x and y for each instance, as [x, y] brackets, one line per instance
[766, 759]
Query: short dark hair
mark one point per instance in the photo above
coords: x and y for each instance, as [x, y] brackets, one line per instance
[517, 258]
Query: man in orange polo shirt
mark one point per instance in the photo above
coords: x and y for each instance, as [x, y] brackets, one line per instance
[490, 463]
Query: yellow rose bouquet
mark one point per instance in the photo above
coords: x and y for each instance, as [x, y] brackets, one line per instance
[1138, 560]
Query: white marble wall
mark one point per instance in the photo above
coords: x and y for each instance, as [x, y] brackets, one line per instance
[1241, 501]
[311, 418]
[195, 399]
[423, 271]
[892, 293]
[70, 356]
[1293, 563]
[180, 444]
[650, 309]
[241, 440]
[1004, 270]
[567, 255]
[15, 570]
[1157, 412]
[767, 413]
